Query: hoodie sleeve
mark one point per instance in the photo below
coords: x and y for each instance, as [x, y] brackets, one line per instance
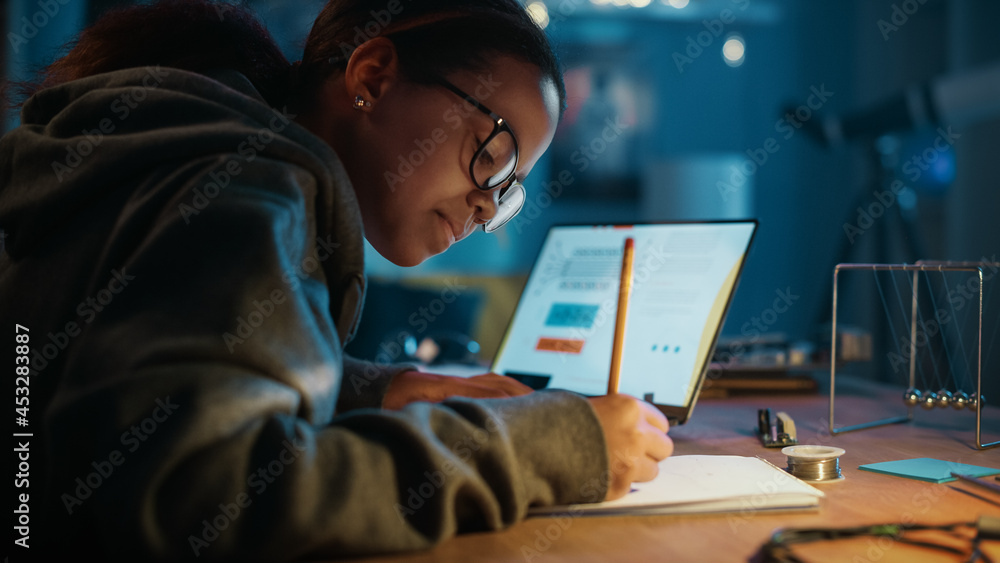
[365, 383]
[209, 378]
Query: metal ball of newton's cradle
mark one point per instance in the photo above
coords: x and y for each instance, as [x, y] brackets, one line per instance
[911, 397]
[929, 400]
[943, 398]
[974, 401]
[959, 400]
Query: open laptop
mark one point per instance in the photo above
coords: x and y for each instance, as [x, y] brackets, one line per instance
[684, 276]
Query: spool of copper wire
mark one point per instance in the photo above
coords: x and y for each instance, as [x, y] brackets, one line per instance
[816, 464]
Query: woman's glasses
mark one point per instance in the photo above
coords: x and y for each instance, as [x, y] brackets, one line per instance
[494, 164]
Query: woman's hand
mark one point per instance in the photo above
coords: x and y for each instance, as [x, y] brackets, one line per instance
[636, 435]
[412, 386]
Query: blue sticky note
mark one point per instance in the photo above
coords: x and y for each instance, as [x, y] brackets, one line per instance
[928, 469]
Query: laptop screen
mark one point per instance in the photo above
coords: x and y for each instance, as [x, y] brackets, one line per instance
[683, 278]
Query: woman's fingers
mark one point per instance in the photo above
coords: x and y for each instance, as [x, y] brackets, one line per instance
[636, 436]
[413, 386]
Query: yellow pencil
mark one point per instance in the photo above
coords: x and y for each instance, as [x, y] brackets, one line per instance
[624, 290]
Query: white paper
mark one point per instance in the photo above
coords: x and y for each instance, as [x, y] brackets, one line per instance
[709, 483]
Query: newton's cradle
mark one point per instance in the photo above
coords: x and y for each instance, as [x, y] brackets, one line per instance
[934, 312]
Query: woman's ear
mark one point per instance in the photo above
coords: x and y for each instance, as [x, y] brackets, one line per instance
[372, 69]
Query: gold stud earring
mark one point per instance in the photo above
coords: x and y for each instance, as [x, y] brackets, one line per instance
[361, 103]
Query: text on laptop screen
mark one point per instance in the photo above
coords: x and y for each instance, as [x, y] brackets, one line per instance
[683, 276]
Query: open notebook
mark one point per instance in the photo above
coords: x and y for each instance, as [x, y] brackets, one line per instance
[690, 484]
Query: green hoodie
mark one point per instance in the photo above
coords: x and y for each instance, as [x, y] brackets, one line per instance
[188, 262]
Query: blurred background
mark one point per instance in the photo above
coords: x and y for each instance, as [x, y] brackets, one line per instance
[801, 114]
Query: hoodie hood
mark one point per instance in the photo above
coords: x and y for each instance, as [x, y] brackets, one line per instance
[88, 143]
[83, 139]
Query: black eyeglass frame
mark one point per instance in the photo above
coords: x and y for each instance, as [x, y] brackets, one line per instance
[499, 126]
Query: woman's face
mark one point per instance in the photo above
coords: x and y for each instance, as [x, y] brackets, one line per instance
[411, 167]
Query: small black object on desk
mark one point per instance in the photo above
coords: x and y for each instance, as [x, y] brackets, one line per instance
[775, 431]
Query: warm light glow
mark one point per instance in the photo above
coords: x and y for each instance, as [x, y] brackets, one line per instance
[734, 51]
[677, 3]
[639, 3]
[539, 13]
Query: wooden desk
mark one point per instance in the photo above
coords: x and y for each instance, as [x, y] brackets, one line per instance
[726, 427]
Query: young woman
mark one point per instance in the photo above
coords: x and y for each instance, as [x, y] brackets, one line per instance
[184, 213]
